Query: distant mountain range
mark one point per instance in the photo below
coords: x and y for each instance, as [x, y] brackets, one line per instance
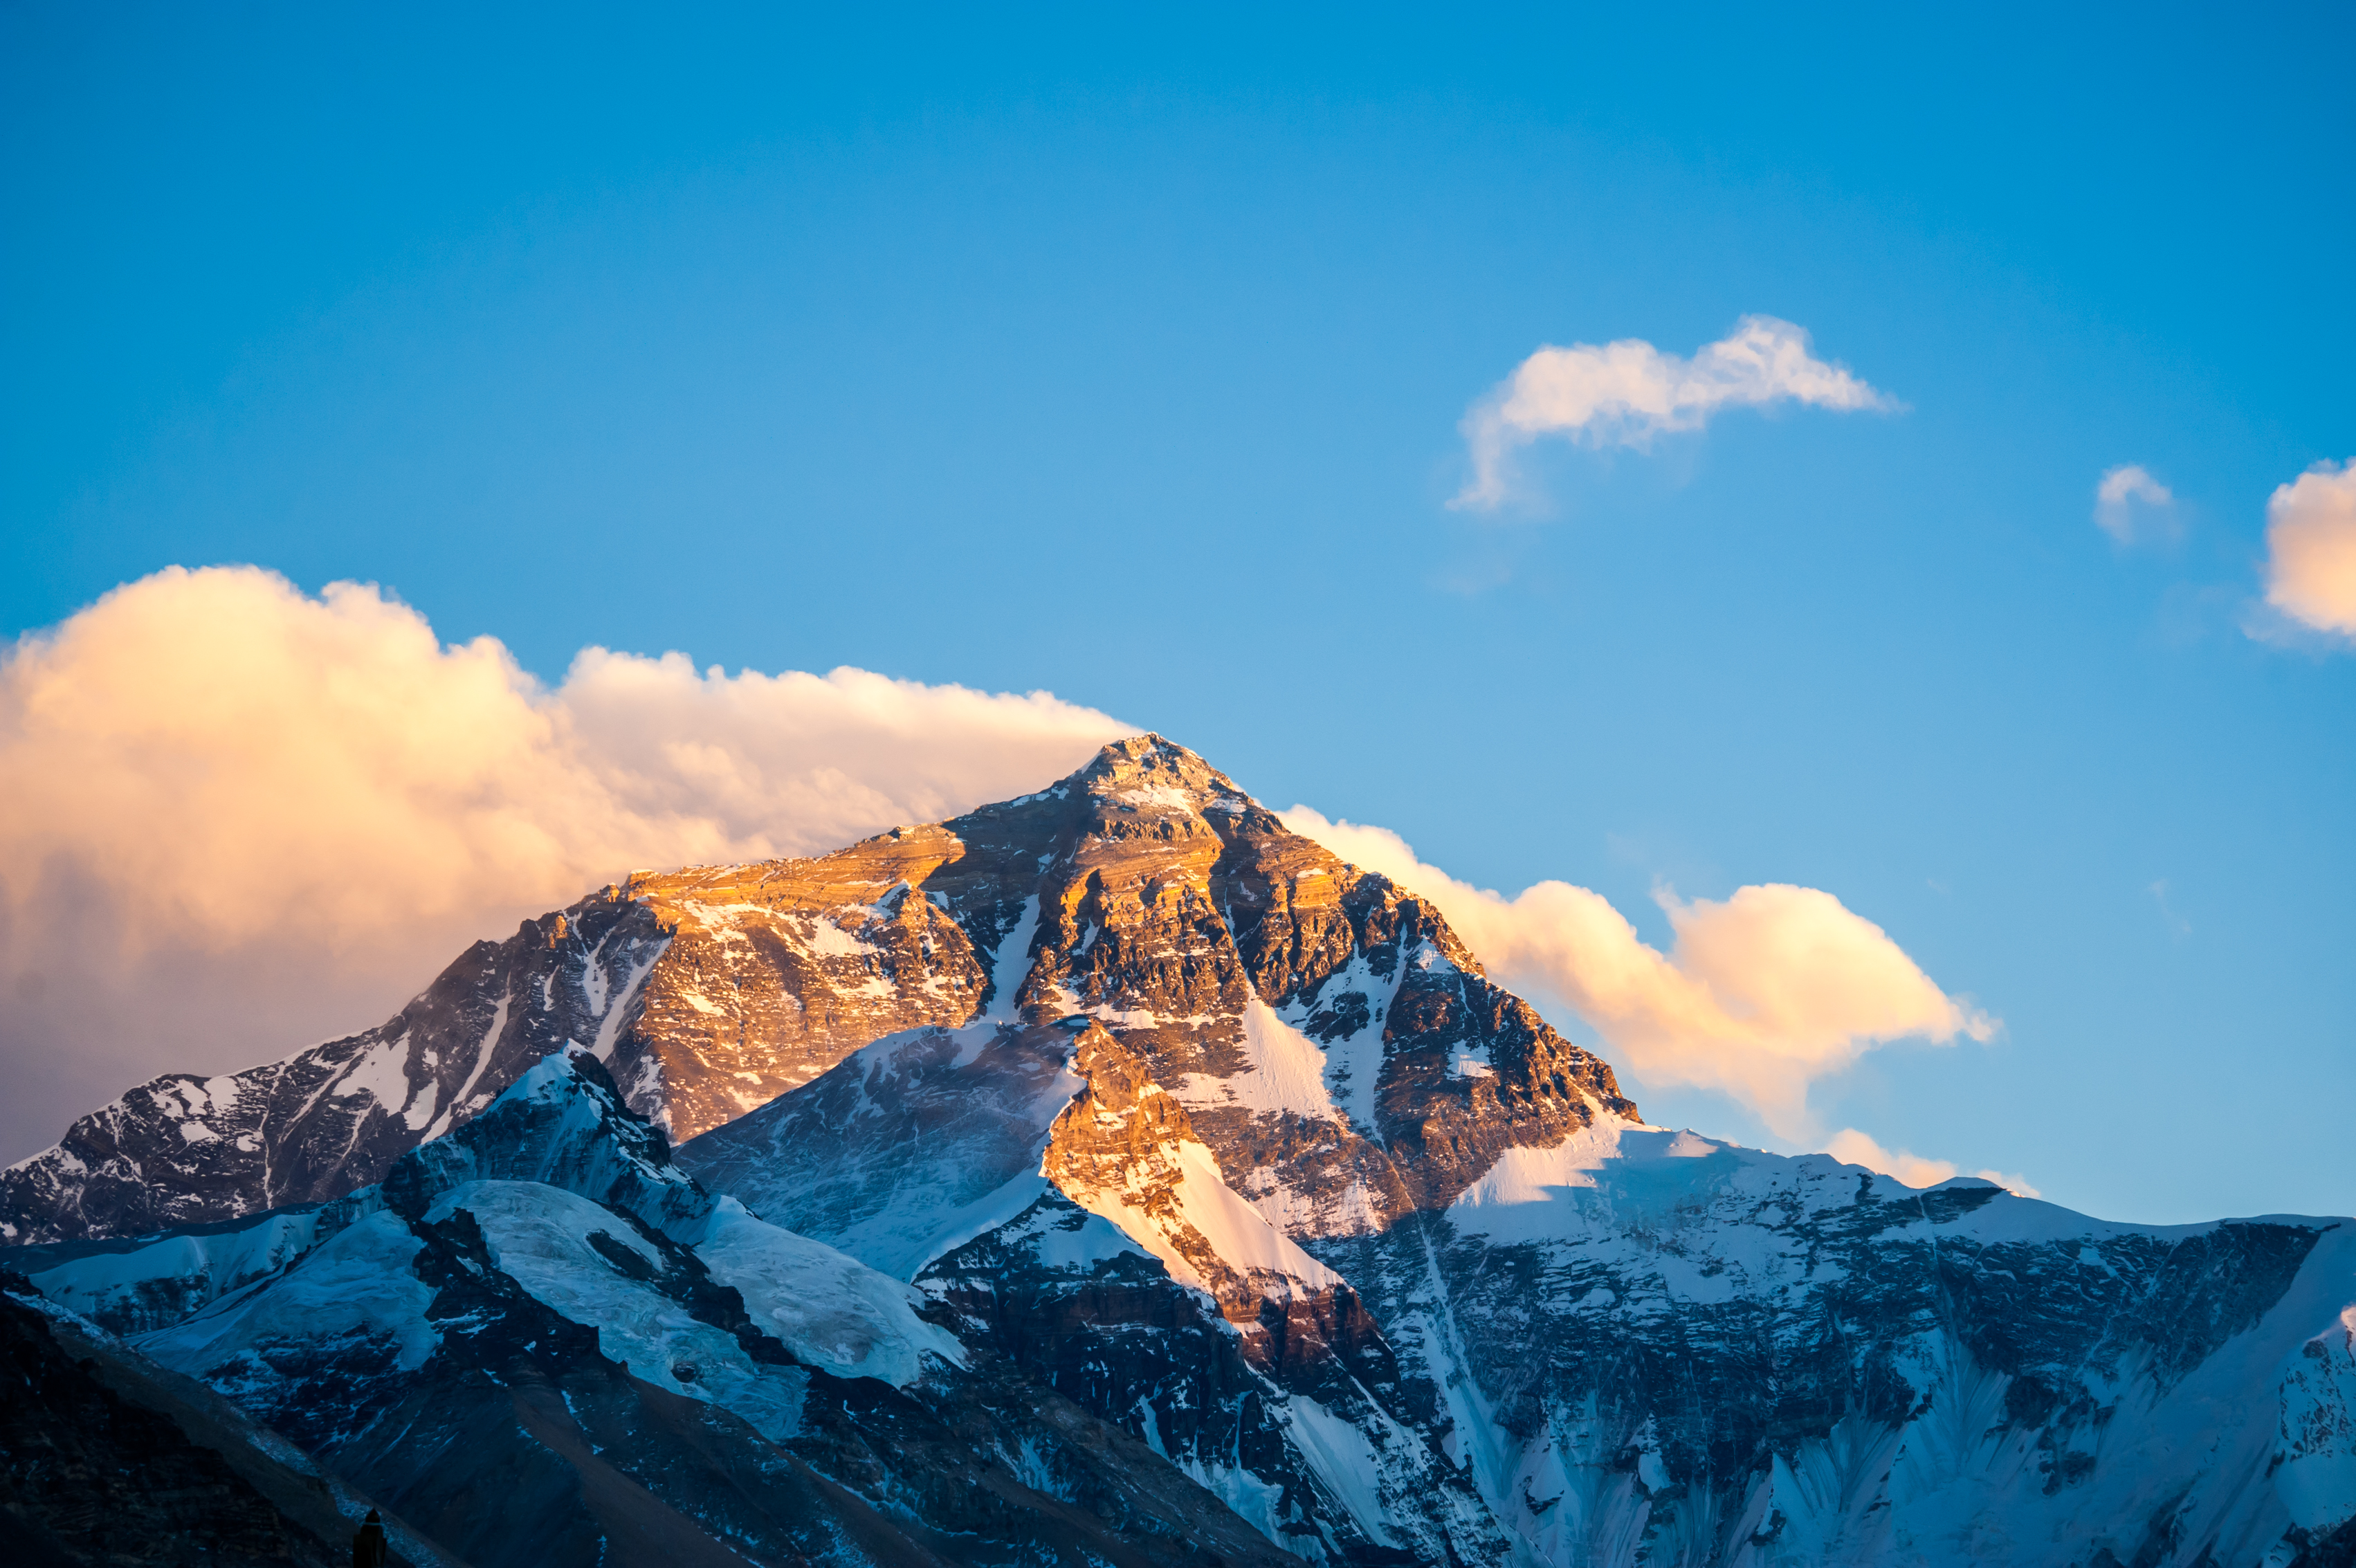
[1111, 1175]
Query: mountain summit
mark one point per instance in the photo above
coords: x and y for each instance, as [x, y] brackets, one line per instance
[1113, 1176]
[1316, 1021]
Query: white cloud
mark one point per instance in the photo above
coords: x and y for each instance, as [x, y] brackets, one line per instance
[2311, 549]
[1627, 393]
[2131, 506]
[1764, 992]
[1854, 1148]
[238, 817]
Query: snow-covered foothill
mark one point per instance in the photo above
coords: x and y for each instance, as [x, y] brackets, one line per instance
[131, 1286]
[357, 1285]
[540, 1237]
[829, 1309]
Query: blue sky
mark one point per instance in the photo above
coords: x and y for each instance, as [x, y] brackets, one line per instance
[1125, 357]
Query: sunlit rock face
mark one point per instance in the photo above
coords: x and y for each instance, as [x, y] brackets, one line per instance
[1145, 889]
[1115, 1151]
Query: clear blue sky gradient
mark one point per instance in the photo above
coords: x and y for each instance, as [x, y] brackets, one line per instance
[1124, 357]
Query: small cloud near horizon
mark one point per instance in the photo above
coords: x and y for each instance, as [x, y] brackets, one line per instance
[1626, 394]
[1852, 1147]
[2132, 508]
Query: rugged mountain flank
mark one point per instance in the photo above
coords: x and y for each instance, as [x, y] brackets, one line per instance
[1038, 1183]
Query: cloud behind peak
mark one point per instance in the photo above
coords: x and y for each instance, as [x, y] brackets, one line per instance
[1762, 992]
[240, 817]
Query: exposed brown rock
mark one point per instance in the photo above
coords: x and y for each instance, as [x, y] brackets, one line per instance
[1169, 906]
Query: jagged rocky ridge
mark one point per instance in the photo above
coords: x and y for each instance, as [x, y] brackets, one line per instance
[540, 1341]
[1167, 1113]
[711, 990]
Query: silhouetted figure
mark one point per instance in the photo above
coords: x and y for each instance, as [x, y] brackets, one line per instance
[369, 1548]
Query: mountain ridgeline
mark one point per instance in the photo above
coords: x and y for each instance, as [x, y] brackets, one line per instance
[1112, 1176]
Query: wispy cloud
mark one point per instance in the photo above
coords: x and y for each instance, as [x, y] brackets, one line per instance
[1626, 393]
[2311, 549]
[238, 816]
[2132, 508]
[1764, 992]
[1852, 1147]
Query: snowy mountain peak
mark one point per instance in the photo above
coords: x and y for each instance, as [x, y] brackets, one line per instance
[1157, 1178]
[1269, 985]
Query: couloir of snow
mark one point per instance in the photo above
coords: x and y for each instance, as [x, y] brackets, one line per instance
[1214, 1213]
[1009, 964]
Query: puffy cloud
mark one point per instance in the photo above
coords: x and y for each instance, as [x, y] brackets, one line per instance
[240, 817]
[2311, 548]
[1852, 1147]
[1627, 393]
[1762, 992]
[2131, 506]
